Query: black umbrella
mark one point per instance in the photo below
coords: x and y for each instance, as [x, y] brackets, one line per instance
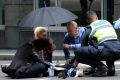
[47, 16]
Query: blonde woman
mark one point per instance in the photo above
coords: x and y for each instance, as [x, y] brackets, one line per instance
[41, 33]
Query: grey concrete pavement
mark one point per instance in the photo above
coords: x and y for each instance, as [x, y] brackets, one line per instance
[117, 77]
[7, 54]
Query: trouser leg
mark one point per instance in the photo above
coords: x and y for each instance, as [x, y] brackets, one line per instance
[84, 9]
[35, 70]
[88, 55]
[49, 54]
[84, 5]
[111, 68]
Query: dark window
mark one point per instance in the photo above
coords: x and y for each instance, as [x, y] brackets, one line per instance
[42, 4]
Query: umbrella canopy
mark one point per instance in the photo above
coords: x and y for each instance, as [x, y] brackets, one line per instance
[47, 16]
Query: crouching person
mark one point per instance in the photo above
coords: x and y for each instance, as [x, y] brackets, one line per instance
[42, 33]
[29, 60]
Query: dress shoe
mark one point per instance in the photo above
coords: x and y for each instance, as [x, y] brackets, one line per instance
[101, 71]
[111, 70]
[4, 68]
[62, 75]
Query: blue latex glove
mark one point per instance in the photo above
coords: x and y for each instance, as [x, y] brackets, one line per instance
[70, 71]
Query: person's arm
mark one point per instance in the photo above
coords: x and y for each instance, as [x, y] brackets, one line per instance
[35, 56]
[117, 24]
[38, 58]
[53, 46]
[85, 37]
[78, 45]
[66, 50]
[75, 46]
[66, 53]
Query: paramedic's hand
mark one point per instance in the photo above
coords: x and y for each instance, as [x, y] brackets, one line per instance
[70, 71]
[66, 46]
[53, 46]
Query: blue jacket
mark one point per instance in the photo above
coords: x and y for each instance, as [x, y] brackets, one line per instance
[74, 41]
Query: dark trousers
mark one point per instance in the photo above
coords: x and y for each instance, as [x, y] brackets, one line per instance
[49, 56]
[28, 71]
[93, 56]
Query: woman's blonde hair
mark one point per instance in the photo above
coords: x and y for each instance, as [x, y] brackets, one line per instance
[39, 30]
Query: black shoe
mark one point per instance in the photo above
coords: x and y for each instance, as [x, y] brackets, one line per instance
[111, 71]
[4, 68]
[62, 75]
[101, 71]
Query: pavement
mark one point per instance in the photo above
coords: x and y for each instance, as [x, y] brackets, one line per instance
[7, 55]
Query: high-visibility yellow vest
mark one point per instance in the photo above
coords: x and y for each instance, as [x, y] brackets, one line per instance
[102, 30]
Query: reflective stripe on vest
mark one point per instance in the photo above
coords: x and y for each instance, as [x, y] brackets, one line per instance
[102, 30]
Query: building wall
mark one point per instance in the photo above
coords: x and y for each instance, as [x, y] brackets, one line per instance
[14, 10]
[74, 5]
[116, 9]
[14, 37]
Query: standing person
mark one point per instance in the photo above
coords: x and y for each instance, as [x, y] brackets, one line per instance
[84, 8]
[110, 10]
[41, 33]
[72, 39]
[103, 46]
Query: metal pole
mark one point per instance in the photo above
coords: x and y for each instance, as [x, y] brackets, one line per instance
[103, 9]
[44, 3]
[56, 1]
[58, 4]
[35, 4]
[1, 7]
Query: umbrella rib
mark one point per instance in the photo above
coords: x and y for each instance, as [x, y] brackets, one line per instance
[36, 17]
[63, 15]
[43, 15]
[52, 15]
